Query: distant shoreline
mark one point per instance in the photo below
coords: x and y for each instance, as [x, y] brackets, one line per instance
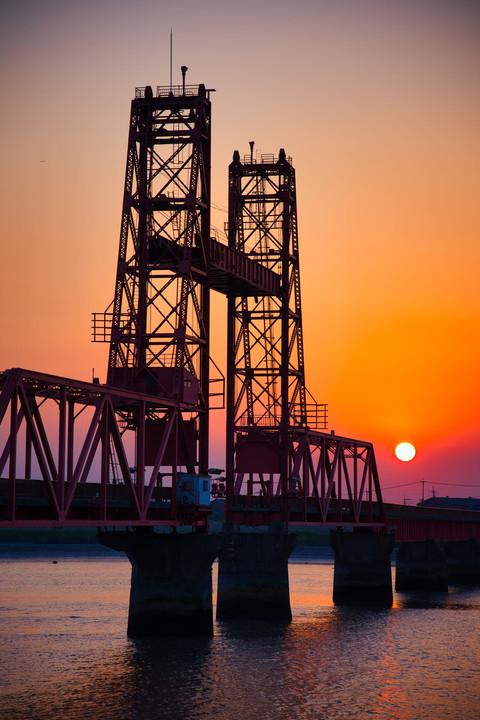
[78, 543]
[54, 551]
[96, 551]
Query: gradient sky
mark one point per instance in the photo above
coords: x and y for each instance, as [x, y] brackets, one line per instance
[377, 102]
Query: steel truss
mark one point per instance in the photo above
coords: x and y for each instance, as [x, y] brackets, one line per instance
[331, 481]
[266, 348]
[278, 461]
[56, 433]
[158, 323]
[150, 422]
[68, 462]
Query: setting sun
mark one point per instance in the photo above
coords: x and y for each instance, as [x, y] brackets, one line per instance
[405, 451]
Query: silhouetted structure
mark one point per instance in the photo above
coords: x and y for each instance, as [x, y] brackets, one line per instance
[159, 320]
[156, 403]
[280, 466]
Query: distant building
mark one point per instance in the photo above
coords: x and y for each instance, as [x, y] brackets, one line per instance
[451, 502]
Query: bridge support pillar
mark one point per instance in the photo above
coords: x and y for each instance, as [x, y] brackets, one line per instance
[421, 565]
[362, 572]
[463, 561]
[171, 586]
[253, 573]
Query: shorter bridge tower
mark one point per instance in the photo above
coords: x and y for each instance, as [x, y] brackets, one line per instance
[266, 393]
[281, 465]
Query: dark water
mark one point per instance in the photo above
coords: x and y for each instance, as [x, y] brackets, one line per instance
[64, 654]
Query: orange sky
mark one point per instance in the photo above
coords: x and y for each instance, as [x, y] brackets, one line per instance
[377, 102]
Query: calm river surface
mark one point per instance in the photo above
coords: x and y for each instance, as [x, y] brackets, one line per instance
[64, 653]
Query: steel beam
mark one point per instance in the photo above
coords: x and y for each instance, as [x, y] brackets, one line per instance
[46, 489]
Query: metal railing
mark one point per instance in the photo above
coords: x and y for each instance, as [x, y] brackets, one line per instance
[172, 91]
[313, 416]
[261, 159]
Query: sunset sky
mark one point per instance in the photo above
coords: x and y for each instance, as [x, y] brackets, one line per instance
[377, 102]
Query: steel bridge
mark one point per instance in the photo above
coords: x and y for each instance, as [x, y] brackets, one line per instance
[134, 452]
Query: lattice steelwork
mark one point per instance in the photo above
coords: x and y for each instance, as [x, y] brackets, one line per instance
[66, 458]
[68, 462]
[158, 323]
[262, 224]
[266, 396]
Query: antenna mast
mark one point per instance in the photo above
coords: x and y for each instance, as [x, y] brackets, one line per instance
[171, 57]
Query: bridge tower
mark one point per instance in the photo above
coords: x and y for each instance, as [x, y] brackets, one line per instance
[281, 464]
[158, 322]
[266, 392]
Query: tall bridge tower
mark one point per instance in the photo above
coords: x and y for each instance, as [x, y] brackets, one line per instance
[158, 322]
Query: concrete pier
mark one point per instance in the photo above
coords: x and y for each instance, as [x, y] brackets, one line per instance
[362, 572]
[463, 561]
[171, 586]
[421, 566]
[253, 573]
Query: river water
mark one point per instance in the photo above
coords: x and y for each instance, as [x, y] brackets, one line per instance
[64, 653]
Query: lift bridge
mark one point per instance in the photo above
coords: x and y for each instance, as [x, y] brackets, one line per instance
[134, 452]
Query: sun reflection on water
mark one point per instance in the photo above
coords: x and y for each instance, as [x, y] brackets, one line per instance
[64, 628]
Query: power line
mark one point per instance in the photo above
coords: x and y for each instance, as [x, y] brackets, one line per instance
[218, 207]
[454, 484]
[434, 482]
[394, 487]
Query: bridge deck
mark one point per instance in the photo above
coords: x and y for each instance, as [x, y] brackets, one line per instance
[409, 523]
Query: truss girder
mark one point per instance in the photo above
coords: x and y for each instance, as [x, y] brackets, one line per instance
[332, 481]
[60, 440]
